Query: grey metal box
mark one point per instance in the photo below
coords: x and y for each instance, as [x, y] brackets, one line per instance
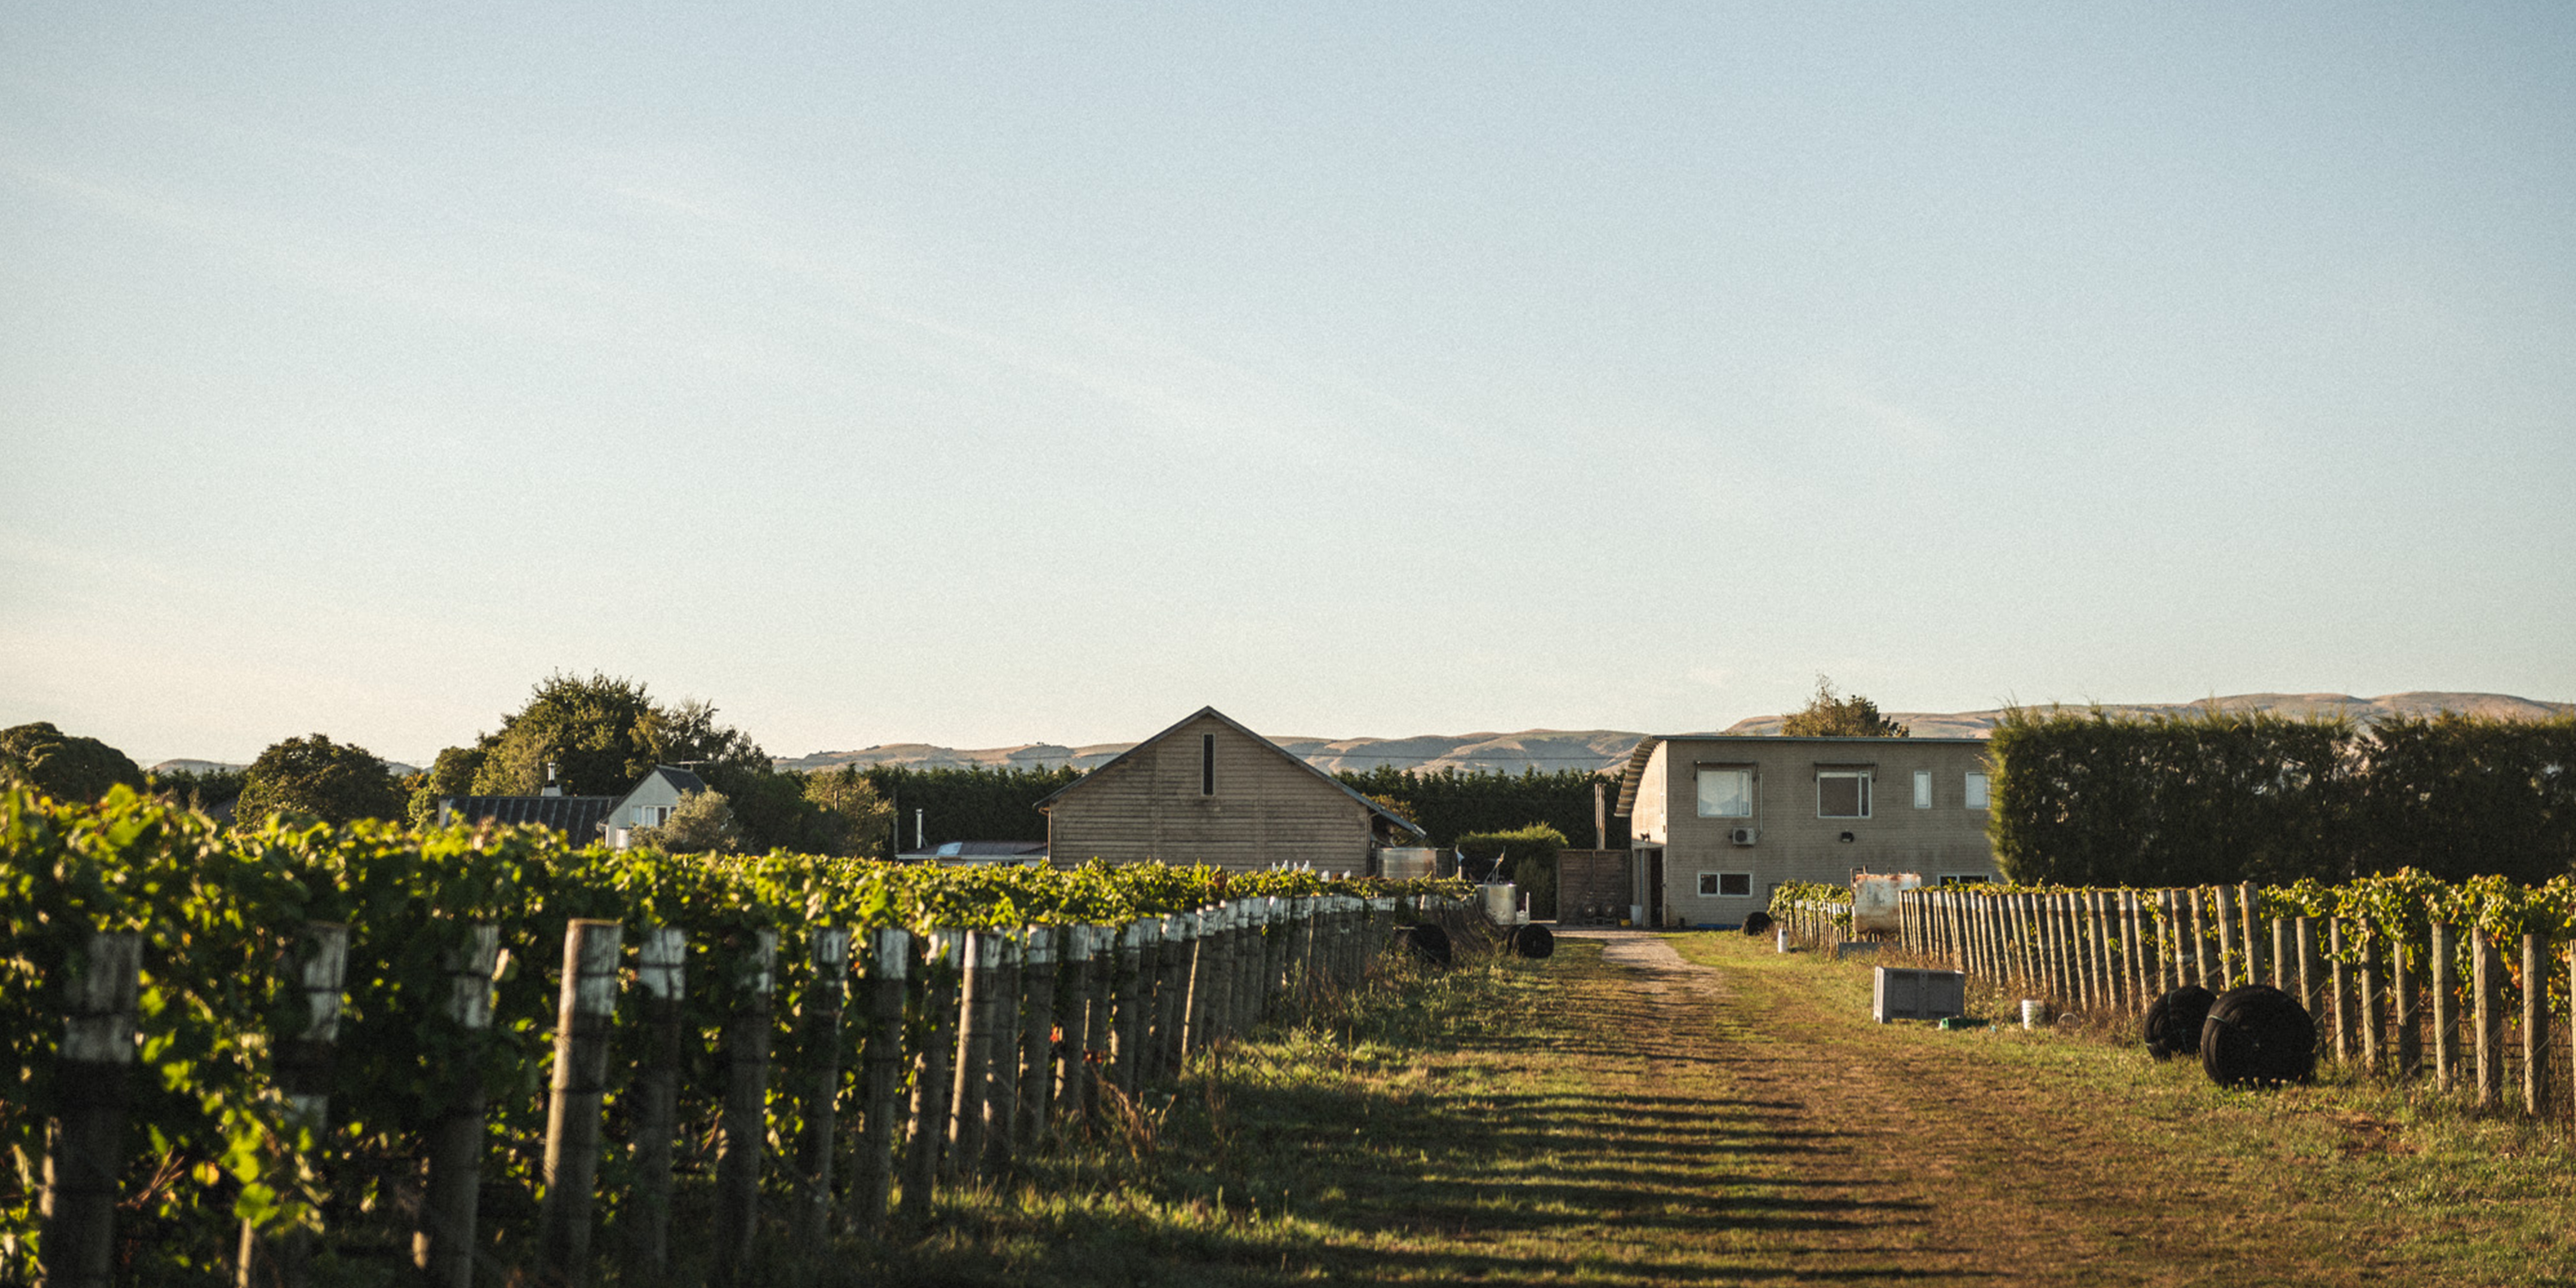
[1902, 994]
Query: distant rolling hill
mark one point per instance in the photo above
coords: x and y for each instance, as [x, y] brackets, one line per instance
[1549, 750]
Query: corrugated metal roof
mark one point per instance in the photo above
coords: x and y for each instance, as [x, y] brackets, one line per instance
[1231, 723]
[577, 817]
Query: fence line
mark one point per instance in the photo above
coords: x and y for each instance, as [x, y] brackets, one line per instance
[2382, 1001]
[991, 1078]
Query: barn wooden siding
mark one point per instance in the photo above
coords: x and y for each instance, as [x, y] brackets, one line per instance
[1267, 808]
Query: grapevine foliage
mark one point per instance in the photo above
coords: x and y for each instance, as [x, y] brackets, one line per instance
[222, 917]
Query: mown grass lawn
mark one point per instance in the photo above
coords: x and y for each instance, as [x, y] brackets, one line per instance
[1638, 1118]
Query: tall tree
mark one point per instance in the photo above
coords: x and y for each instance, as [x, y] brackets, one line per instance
[848, 816]
[1829, 715]
[334, 782]
[595, 732]
[66, 766]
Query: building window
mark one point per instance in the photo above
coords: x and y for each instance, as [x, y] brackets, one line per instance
[1976, 791]
[1842, 793]
[1725, 793]
[1964, 878]
[1207, 764]
[1726, 885]
[1923, 789]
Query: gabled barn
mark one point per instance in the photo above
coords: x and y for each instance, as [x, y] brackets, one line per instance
[1208, 790]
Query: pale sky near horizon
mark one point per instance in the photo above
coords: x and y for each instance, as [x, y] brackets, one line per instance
[983, 375]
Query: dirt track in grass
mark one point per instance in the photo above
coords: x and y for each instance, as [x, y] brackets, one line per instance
[1626, 1113]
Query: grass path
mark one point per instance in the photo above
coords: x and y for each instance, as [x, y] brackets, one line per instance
[1626, 1113]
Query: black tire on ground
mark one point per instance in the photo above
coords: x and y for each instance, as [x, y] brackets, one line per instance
[2258, 1036]
[2174, 1020]
[1429, 943]
[1533, 941]
[1757, 922]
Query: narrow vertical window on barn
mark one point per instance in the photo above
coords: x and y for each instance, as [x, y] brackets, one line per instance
[1207, 764]
[1923, 789]
[1976, 791]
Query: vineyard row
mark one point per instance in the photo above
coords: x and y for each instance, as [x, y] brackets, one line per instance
[218, 1081]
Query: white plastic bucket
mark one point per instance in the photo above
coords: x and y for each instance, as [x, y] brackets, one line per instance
[2034, 1013]
[1782, 942]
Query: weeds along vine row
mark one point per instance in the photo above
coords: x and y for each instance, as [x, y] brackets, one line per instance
[221, 917]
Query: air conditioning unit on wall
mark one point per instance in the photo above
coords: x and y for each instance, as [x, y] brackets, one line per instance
[1741, 835]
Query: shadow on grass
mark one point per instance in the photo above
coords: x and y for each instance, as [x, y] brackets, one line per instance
[1455, 1129]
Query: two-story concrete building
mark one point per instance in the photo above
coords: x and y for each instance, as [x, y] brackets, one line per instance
[1716, 823]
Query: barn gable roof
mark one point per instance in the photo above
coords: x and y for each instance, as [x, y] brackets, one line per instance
[1230, 722]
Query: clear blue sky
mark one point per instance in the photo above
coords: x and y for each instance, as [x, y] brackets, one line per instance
[983, 375]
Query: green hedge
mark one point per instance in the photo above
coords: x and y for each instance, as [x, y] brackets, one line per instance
[1528, 861]
[1450, 805]
[2085, 800]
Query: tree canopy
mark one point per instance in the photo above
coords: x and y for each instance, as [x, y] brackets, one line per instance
[1829, 715]
[334, 782]
[66, 766]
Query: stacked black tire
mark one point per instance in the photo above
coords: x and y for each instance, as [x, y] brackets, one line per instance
[1533, 941]
[1757, 922]
[2174, 1021]
[2258, 1036]
[1429, 943]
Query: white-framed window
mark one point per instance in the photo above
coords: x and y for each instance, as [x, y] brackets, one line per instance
[1725, 792]
[1726, 885]
[1923, 789]
[1976, 791]
[1842, 793]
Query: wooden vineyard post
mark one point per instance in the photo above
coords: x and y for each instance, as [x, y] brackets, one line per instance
[2052, 980]
[743, 1128]
[1002, 1059]
[2200, 972]
[85, 1142]
[1172, 994]
[933, 1088]
[881, 1075]
[2367, 1014]
[593, 952]
[2106, 973]
[2133, 921]
[1243, 983]
[1082, 1023]
[661, 975]
[2231, 958]
[2311, 968]
[2445, 988]
[2406, 998]
[1037, 1036]
[2535, 1025]
[2249, 907]
[2489, 1018]
[1199, 987]
[966, 1093]
[819, 1092]
[2088, 951]
[2339, 978]
[443, 1246]
[1130, 980]
[1274, 970]
[2285, 956]
[2169, 962]
[304, 1065]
